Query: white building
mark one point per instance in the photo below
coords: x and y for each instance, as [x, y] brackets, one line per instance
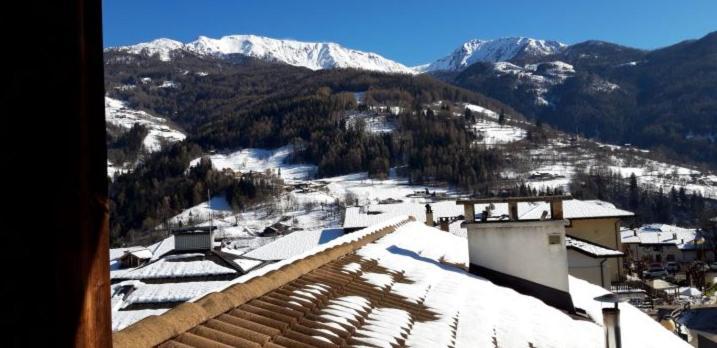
[664, 243]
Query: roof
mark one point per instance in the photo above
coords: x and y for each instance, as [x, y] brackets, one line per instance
[359, 217]
[294, 244]
[577, 209]
[701, 319]
[393, 284]
[656, 234]
[116, 253]
[572, 209]
[141, 253]
[590, 248]
[178, 266]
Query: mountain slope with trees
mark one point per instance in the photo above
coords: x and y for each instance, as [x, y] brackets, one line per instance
[663, 99]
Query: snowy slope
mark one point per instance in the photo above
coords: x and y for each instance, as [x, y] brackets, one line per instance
[118, 114]
[260, 160]
[312, 55]
[161, 47]
[497, 50]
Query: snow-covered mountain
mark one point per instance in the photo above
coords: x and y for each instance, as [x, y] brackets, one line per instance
[312, 55]
[497, 50]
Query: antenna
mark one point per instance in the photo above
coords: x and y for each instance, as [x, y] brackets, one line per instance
[211, 221]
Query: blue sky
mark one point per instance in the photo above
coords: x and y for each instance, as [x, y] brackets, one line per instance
[412, 32]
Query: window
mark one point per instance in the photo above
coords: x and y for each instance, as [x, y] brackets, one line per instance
[554, 239]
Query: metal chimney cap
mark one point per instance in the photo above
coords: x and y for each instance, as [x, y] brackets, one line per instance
[610, 298]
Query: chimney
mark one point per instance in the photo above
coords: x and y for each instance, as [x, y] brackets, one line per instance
[611, 319]
[611, 322]
[674, 236]
[429, 216]
[528, 256]
[444, 223]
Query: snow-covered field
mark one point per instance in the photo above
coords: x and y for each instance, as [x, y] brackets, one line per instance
[261, 160]
[492, 133]
[160, 131]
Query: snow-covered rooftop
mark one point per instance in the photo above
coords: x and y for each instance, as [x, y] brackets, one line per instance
[177, 266]
[402, 289]
[373, 214]
[294, 244]
[590, 248]
[572, 209]
[683, 238]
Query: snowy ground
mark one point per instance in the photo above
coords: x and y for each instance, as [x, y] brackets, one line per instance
[262, 160]
[492, 133]
[160, 131]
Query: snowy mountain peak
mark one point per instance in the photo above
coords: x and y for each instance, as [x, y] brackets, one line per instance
[497, 50]
[312, 55]
[161, 47]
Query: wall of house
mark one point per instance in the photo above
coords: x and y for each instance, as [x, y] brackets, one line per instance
[586, 268]
[604, 232]
[521, 249]
[193, 241]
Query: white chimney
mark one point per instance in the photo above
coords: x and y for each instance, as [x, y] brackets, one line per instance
[528, 256]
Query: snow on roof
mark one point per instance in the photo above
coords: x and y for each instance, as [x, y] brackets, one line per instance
[116, 253]
[247, 264]
[142, 253]
[572, 209]
[177, 266]
[682, 238]
[162, 247]
[170, 292]
[590, 248]
[400, 289]
[576, 209]
[293, 244]
[373, 214]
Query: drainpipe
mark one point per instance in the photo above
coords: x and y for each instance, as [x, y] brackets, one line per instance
[602, 277]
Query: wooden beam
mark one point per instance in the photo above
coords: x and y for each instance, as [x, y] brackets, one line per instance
[58, 235]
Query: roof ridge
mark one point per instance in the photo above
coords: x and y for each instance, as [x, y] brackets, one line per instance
[156, 329]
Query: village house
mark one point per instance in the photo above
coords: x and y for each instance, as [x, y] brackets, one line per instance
[402, 283]
[665, 243]
[591, 221]
[149, 281]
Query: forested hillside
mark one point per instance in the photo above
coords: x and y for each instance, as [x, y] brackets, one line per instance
[663, 100]
[228, 105]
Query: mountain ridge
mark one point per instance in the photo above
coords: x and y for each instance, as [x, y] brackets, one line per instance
[311, 55]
